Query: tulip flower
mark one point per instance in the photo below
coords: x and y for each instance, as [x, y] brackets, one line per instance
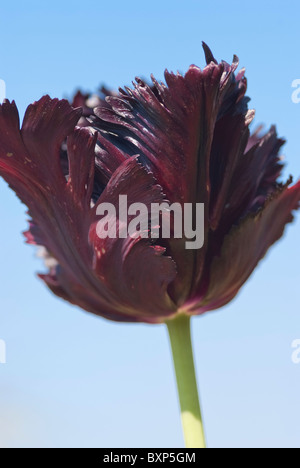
[185, 141]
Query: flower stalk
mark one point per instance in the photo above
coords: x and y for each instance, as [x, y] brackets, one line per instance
[181, 344]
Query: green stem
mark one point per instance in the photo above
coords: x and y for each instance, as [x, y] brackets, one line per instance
[181, 343]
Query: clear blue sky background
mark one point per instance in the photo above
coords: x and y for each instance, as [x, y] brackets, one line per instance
[74, 380]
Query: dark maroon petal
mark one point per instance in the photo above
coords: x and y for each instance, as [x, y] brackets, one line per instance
[172, 127]
[208, 54]
[137, 272]
[253, 179]
[108, 159]
[64, 219]
[165, 127]
[81, 168]
[34, 235]
[244, 246]
[79, 100]
[55, 286]
[230, 139]
[258, 171]
[31, 156]
[59, 283]
[88, 101]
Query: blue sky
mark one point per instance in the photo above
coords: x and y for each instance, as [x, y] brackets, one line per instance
[73, 380]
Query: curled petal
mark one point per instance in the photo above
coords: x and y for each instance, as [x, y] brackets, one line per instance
[244, 246]
[64, 216]
[137, 272]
